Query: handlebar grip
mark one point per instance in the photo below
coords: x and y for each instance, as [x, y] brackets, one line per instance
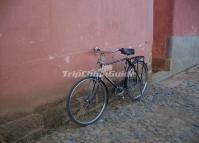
[96, 49]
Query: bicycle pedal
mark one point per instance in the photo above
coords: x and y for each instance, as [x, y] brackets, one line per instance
[120, 96]
[119, 91]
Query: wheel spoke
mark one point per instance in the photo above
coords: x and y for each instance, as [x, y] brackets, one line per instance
[138, 87]
[87, 101]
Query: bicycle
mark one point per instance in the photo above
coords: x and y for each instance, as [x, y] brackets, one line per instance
[88, 98]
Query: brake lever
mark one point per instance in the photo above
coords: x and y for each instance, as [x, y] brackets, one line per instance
[96, 50]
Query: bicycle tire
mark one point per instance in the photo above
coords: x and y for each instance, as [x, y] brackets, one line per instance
[143, 82]
[71, 93]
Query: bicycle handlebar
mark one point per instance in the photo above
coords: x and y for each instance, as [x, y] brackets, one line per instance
[98, 50]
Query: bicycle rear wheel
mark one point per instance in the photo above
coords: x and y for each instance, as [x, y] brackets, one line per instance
[137, 80]
[87, 101]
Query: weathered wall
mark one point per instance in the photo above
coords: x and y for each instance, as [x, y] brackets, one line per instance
[183, 52]
[163, 10]
[162, 26]
[183, 46]
[41, 38]
[185, 18]
[175, 24]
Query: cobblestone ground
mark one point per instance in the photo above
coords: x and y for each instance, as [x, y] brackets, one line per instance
[168, 113]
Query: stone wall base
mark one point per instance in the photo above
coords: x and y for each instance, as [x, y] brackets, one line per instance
[29, 127]
[183, 52]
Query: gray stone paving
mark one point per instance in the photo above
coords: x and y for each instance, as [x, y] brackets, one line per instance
[169, 113]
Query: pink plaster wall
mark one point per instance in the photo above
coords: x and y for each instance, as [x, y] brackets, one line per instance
[185, 17]
[39, 37]
[172, 18]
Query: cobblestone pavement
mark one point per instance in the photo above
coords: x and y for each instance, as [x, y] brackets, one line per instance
[168, 113]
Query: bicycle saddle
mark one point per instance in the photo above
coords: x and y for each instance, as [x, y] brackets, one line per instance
[127, 51]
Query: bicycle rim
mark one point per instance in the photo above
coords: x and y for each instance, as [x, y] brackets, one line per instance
[87, 101]
[137, 85]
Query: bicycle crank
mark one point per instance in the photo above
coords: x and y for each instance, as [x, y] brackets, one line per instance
[119, 91]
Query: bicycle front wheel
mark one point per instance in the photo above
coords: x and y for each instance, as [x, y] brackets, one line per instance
[87, 101]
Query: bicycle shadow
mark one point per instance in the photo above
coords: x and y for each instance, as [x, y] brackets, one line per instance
[115, 102]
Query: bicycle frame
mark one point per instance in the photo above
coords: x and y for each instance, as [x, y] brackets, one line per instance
[129, 62]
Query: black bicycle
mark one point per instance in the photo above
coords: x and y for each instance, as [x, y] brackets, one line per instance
[89, 96]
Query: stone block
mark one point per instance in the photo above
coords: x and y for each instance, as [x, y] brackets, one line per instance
[16, 129]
